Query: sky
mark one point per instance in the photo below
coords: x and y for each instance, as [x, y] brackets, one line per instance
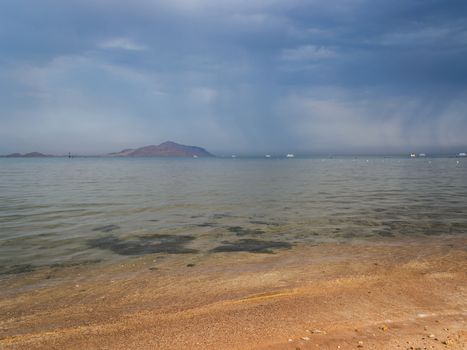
[353, 76]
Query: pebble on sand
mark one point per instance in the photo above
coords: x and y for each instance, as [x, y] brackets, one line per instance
[448, 342]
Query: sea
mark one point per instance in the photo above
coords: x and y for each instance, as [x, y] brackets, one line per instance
[58, 212]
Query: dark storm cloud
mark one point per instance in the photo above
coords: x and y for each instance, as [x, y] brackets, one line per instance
[233, 75]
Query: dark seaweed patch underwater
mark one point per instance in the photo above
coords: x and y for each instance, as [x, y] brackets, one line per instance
[140, 245]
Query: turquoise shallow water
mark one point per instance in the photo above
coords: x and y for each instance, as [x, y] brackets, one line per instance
[59, 211]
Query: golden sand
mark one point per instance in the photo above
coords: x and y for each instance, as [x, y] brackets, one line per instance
[403, 295]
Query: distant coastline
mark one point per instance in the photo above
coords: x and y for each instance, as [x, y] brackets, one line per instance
[27, 155]
[165, 149]
[172, 149]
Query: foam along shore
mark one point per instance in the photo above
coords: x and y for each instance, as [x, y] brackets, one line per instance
[404, 295]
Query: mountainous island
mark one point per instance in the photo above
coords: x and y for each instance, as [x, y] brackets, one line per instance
[165, 149]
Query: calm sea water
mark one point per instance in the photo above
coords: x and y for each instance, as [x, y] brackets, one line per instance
[60, 212]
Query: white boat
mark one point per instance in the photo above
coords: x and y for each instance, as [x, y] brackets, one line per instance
[422, 155]
[462, 154]
[234, 156]
[195, 156]
[290, 155]
[412, 155]
[268, 156]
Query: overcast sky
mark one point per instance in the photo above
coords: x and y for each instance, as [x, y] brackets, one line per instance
[94, 76]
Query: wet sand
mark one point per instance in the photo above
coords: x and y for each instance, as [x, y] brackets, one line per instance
[387, 295]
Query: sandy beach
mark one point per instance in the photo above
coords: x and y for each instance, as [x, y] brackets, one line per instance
[386, 295]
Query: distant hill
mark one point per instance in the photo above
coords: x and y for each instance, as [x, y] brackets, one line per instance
[28, 155]
[165, 149]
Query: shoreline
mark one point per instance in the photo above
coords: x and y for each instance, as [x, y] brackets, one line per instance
[395, 294]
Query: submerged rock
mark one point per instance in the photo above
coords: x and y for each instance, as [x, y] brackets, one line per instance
[242, 231]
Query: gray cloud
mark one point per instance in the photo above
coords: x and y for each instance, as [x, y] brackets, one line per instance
[247, 76]
[121, 43]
